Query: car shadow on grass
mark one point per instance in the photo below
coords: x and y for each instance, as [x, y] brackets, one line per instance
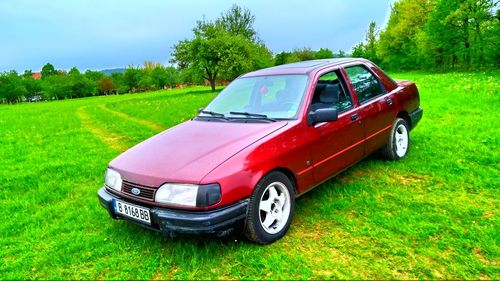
[131, 229]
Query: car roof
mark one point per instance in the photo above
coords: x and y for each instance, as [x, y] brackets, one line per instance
[303, 67]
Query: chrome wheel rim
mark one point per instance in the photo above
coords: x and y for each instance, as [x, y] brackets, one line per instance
[274, 207]
[401, 140]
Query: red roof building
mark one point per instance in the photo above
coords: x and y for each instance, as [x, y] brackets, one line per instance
[36, 75]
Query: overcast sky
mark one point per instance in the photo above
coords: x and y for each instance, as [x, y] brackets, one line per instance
[99, 34]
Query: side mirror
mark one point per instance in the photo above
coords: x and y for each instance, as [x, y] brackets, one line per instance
[323, 115]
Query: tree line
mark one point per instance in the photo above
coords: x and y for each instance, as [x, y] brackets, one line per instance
[220, 50]
[421, 34]
[440, 35]
[53, 84]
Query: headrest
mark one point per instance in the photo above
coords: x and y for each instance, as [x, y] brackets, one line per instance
[330, 94]
[320, 86]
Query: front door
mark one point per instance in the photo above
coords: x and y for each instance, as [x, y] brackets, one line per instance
[338, 144]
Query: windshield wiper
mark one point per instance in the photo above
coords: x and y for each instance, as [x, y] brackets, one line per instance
[257, 116]
[212, 113]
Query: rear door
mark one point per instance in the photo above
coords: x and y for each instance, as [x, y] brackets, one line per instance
[377, 107]
[335, 145]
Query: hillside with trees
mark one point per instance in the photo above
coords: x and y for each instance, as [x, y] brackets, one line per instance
[430, 35]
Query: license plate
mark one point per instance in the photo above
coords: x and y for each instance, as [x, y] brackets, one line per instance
[132, 211]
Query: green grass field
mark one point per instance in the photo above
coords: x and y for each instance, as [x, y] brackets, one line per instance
[432, 215]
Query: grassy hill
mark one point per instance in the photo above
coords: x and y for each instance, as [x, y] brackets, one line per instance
[432, 215]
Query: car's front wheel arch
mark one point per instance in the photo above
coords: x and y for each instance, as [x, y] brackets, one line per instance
[289, 174]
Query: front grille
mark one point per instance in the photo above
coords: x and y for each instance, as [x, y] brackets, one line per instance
[147, 193]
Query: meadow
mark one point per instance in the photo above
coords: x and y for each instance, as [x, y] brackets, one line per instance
[433, 215]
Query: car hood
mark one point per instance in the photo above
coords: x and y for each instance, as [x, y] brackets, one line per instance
[189, 151]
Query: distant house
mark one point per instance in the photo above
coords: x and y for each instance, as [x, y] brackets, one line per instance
[36, 75]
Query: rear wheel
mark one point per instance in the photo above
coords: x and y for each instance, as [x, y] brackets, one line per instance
[270, 209]
[399, 141]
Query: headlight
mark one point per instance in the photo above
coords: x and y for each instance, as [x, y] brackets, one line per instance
[188, 194]
[113, 179]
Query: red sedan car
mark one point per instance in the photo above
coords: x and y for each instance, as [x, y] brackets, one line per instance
[267, 138]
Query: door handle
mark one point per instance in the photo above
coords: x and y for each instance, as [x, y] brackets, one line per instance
[354, 116]
[388, 101]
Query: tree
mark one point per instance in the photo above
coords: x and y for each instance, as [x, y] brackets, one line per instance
[341, 54]
[239, 21]
[371, 39]
[398, 46]
[146, 83]
[304, 54]
[462, 33]
[293, 58]
[324, 54]
[190, 76]
[33, 87]
[74, 71]
[81, 86]
[301, 55]
[12, 89]
[172, 77]
[131, 78]
[105, 85]
[93, 75]
[28, 74]
[436, 34]
[281, 58]
[367, 48]
[48, 70]
[439, 41]
[118, 79]
[358, 51]
[222, 49]
[57, 87]
[149, 65]
[164, 76]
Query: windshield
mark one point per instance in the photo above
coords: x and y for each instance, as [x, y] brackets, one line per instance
[275, 96]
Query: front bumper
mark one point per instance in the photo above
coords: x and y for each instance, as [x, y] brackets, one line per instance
[220, 222]
[415, 117]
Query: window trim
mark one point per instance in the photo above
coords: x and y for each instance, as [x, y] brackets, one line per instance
[342, 83]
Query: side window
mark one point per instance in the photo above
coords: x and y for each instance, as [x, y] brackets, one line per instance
[364, 82]
[330, 92]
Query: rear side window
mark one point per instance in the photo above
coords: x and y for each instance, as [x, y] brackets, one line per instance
[366, 85]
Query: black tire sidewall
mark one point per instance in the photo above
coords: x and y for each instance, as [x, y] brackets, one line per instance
[259, 234]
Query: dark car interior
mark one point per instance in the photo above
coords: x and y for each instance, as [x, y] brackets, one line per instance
[330, 94]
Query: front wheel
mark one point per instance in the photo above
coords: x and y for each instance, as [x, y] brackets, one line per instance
[399, 141]
[270, 209]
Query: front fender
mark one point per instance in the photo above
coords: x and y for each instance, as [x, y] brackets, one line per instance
[286, 149]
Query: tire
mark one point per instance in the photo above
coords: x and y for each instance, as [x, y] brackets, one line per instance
[270, 209]
[399, 141]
